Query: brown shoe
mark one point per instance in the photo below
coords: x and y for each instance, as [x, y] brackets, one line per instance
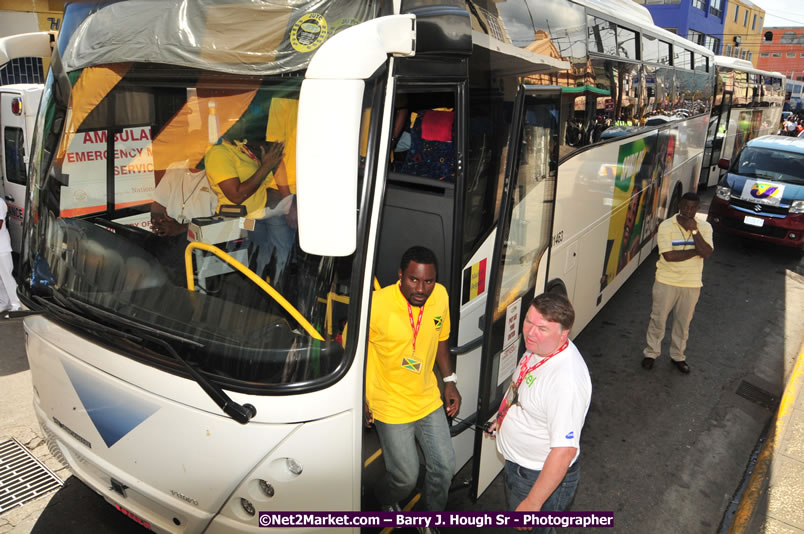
[682, 366]
[647, 363]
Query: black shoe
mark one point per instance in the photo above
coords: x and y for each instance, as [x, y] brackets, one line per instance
[682, 366]
[647, 363]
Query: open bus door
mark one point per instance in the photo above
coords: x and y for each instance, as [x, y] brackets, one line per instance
[715, 139]
[520, 260]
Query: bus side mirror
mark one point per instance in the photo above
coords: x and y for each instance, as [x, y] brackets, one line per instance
[327, 158]
[724, 164]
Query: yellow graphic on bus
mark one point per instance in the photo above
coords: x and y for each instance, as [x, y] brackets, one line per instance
[308, 32]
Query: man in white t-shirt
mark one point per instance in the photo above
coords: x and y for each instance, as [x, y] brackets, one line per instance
[8, 286]
[181, 195]
[540, 421]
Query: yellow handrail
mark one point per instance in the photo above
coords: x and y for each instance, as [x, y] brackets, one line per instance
[251, 275]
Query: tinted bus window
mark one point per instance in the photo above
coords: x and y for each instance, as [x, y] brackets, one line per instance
[664, 53]
[626, 43]
[650, 49]
[560, 21]
[682, 59]
[602, 36]
[701, 63]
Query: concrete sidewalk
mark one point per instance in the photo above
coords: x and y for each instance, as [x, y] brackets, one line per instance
[773, 499]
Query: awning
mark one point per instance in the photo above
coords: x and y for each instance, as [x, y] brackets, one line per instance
[507, 59]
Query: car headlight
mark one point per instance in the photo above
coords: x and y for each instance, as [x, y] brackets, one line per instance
[797, 206]
[723, 192]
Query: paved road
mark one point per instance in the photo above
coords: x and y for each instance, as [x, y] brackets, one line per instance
[664, 451]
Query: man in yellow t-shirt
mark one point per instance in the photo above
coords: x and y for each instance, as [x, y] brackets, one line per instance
[408, 335]
[237, 172]
[684, 244]
[282, 118]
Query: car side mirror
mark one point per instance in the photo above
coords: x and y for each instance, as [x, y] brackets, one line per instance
[724, 164]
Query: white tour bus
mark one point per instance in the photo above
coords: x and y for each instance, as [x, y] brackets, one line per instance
[538, 146]
[19, 103]
[748, 104]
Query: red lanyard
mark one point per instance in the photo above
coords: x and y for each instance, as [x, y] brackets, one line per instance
[418, 324]
[523, 371]
[249, 153]
[512, 396]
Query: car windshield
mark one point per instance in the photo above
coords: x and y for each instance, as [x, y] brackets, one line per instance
[126, 219]
[770, 165]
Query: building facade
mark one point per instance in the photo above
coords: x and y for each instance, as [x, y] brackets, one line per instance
[782, 50]
[700, 21]
[742, 30]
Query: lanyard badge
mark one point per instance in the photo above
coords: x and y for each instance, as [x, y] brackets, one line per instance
[411, 363]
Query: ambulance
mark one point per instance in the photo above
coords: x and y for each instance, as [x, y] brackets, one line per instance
[18, 107]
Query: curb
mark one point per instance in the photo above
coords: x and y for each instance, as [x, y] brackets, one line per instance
[757, 482]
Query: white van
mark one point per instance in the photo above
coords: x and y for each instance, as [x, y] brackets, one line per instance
[18, 107]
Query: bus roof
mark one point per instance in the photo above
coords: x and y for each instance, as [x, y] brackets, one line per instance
[744, 66]
[638, 17]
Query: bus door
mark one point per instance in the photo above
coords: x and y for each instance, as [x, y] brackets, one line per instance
[715, 140]
[520, 259]
[419, 200]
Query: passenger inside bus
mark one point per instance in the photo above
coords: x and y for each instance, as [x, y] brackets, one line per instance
[423, 139]
[240, 170]
[182, 193]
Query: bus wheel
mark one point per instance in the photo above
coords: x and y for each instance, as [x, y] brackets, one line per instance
[675, 200]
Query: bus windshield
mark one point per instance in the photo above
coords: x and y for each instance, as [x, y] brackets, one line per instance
[169, 203]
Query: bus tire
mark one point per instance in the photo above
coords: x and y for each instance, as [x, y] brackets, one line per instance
[675, 200]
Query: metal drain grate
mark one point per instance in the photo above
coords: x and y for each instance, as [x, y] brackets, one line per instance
[757, 395]
[23, 478]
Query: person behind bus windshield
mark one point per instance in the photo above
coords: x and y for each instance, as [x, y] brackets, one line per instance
[238, 168]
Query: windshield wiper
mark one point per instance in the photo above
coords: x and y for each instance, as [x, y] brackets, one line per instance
[241, 413]
[67, 314]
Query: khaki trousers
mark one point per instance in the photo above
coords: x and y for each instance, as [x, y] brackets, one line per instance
[681, 301]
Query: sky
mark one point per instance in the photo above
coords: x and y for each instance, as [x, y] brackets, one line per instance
[782, 12]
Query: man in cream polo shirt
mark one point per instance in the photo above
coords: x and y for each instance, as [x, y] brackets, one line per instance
[684, 243]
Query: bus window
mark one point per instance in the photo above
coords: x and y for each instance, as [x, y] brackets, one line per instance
[701, 63]
[488, 132]
[602, 36]
[617, 107]
[682, 59]
[650, 49]
[664, 53]
[561, 22]
[703, 93]
[626, 43]
[424, 135]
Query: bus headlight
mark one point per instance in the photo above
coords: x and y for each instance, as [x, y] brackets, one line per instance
[293, 466]
[797, 206]
[723, 192]
[247, 507]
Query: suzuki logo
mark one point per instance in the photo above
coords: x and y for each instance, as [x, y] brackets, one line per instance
[757, 208]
